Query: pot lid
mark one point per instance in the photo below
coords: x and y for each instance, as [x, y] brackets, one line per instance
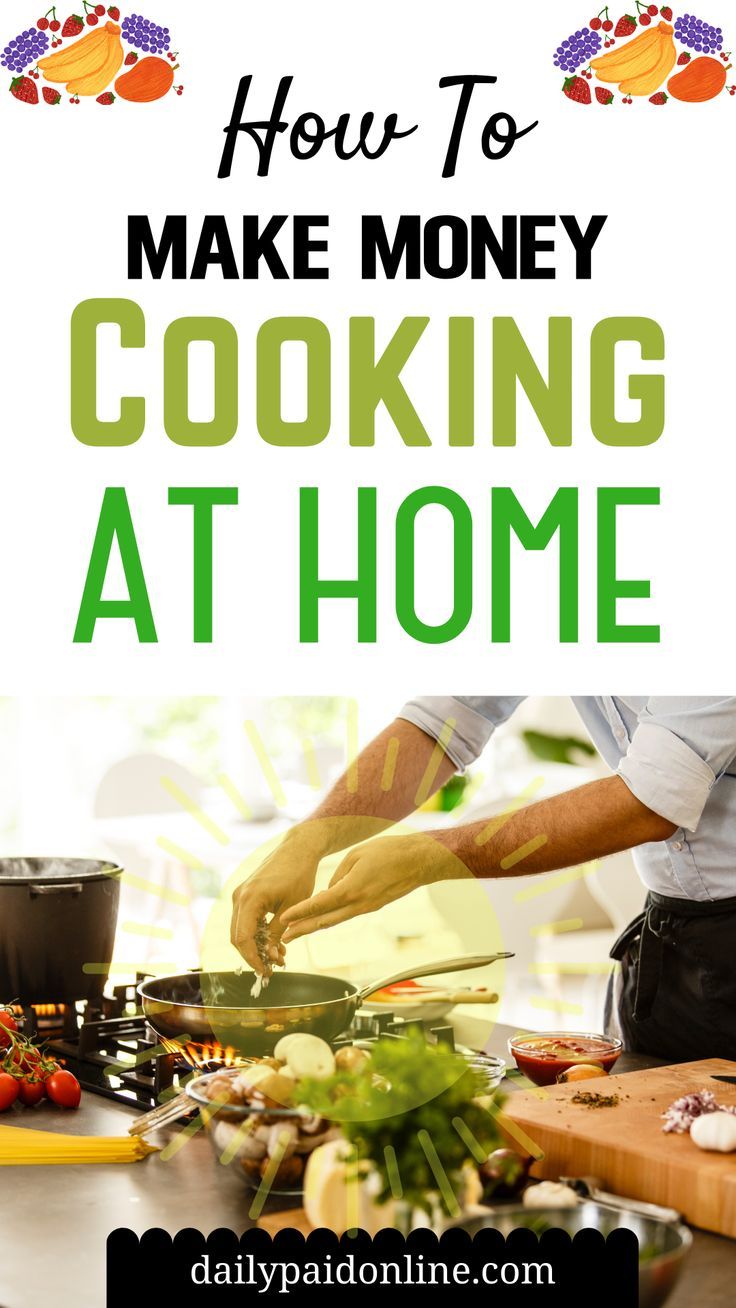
[53, 871]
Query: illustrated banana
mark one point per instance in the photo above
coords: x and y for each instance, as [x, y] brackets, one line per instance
[89, 65]
[628, 53]
[96, 81]
[641, 65]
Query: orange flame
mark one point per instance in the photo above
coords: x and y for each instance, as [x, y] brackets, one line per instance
[200, 1056]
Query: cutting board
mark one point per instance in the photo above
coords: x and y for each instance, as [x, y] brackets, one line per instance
[626, 1148]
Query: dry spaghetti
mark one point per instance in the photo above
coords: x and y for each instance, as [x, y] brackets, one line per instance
[26, 1148]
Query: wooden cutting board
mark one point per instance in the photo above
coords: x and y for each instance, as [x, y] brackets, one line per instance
[626, 1148]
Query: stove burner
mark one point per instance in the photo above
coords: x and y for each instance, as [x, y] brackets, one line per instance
[113, 1051]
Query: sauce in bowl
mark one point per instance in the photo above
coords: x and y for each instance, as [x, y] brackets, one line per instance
[543, 1056]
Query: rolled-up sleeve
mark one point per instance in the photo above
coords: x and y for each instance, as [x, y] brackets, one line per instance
[677, 753]
[463, 724]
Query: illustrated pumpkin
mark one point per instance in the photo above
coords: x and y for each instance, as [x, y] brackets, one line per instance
[702, 79]
[149, 79]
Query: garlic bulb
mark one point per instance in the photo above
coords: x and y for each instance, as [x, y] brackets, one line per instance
[715, 1131]
[550, 1194]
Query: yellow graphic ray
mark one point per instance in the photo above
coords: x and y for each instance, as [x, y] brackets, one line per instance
[394, 1175]
[269, 1176]
[143, 929]
[312, 766]
[389, 764]
[472, 1144]
[227, 784]
[524, 851]
[556, 1005]
[438, 754]
[549, 883]
[265, 764]
[440, 1175]
[150, 887]
[352, 746]
[139, 1060]
[194, 810]
[556, 928]
[181, 1138]
[184, 856]
[499, 821]
[512, 1129]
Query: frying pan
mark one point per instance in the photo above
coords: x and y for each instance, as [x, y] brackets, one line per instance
[206, 1006]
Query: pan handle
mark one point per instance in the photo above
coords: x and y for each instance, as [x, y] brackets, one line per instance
[431, 969]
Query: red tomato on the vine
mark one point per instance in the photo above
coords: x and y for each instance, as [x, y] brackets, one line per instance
[30, 1092]
[7, 1023]
[63, 1089]
[8, 1091]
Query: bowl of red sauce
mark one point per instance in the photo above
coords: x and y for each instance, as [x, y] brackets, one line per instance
[542, 1056]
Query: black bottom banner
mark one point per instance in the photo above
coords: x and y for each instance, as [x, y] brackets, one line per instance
[223, 1269]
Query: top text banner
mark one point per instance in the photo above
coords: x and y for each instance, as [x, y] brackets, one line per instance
[279, 415]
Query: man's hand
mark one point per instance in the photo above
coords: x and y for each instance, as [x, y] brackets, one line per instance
[371, 875]
[284, 878]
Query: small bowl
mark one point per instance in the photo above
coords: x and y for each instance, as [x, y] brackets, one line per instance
[543, 1056]
[246, 1136]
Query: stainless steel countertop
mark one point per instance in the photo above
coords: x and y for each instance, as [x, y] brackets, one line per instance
[54, 1221]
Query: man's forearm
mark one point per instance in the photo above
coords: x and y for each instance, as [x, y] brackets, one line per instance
[594, 820]
[392, 777]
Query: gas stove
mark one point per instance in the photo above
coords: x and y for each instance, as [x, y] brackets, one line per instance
[113, 1051]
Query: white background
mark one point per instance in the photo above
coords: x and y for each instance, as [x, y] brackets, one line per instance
[72, 177]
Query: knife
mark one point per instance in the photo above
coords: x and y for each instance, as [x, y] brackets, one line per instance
[729, 1080]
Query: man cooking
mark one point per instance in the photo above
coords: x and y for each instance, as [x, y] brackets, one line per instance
[671, 799]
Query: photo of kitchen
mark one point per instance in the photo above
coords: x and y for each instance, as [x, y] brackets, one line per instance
[330, 962]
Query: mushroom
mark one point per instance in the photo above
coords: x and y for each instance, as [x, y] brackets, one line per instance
[308, 1055]
[283, 1139]
[289, 1171]
[245, 1146]
[351, 1059]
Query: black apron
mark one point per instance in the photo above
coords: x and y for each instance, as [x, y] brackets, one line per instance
[675, 995]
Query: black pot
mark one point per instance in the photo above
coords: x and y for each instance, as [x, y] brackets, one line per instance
[57, 919]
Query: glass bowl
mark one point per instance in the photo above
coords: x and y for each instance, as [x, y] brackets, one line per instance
[543, 1056]
[266, 1145]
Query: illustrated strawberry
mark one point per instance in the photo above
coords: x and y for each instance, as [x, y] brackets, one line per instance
[132, 58]
[577, 89]
[107, 98]
[51, 96]
[114, 13]
[684, 58]
[666, 13]
[625, 26]
[660, 98]
[25, 89]
[73, 25]
[603, 95]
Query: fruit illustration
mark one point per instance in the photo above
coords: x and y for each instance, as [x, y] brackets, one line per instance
[24, 50]
[640, 66]
[576, 50]
[131, 58]
[666, 13]
[603, 95]
[107, 98]
[625, 26]
[146, 35]
[698, 35]
[684, 58]
[24, 89]
[89, 65]
[702, 79]
[50, 95]
[660, 98]
[73, 26]
[577, 89]
[114, 14]
[152, 78]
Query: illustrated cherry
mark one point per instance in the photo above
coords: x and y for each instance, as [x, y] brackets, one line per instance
[100, 10]
[608, 25]
[54, 25]
[653, 11]
[644, 19]
[595, 24]
[42, 24]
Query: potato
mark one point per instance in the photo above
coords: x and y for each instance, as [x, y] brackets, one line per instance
[307, 1055]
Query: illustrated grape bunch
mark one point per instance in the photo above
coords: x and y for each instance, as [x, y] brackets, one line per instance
[146, 35]
[25, 50]
[698, 35]
[578, 49]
